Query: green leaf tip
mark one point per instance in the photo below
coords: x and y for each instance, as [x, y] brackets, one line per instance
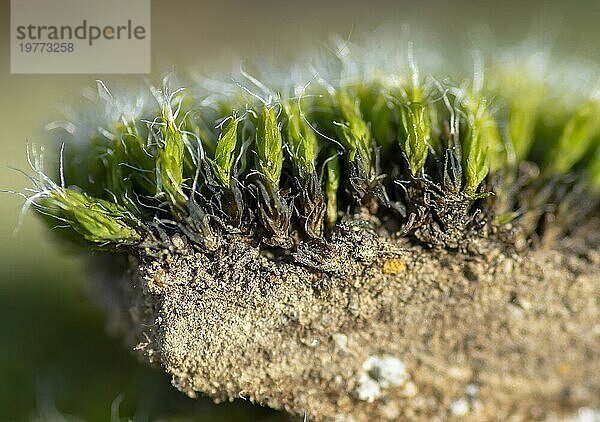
[269, 152]
[354, 131]
[224, 158]
[480, 141]
[416, 125]
[301, 138]
[96, 220]
[169, 163]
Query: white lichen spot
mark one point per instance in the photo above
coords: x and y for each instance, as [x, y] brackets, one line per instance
[379, 373]
[387, 370]
[459, 407]
[367, 389]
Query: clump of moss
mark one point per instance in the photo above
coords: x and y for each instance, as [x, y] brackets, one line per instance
[438, 162]
[279, 238]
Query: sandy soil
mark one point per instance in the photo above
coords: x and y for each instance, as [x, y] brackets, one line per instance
[369, 327]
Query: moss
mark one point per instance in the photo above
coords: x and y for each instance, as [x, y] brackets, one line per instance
[434, 159]
[324, 222]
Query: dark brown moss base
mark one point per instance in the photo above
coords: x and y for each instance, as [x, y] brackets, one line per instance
[482, 336]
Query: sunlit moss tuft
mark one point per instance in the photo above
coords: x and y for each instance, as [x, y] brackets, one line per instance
[437, 161]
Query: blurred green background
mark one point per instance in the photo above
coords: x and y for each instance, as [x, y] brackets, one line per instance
[56, 359]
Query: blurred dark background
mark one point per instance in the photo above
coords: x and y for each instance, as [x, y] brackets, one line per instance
[56, 360]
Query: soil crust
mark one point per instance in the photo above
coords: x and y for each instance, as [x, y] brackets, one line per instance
[368, 327]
